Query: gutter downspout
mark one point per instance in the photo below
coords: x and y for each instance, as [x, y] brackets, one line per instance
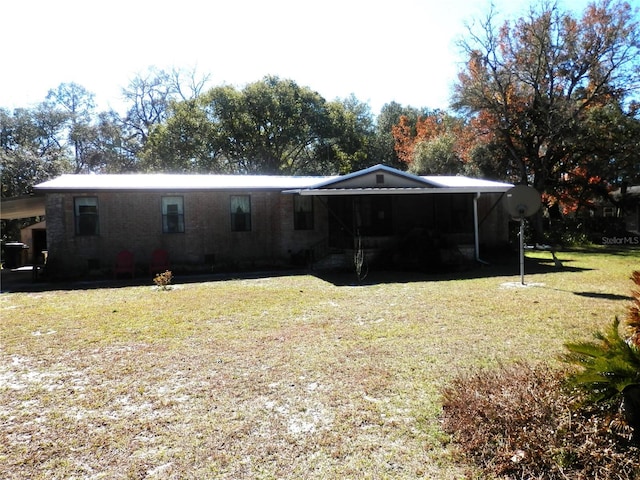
[476, 229]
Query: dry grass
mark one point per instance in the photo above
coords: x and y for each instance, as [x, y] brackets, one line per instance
[278, 377]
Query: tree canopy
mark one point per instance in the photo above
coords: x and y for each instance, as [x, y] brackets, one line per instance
[273, 126]
[549, 99]
[533, 90]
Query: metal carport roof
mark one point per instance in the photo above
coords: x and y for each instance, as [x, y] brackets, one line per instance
[22, 207]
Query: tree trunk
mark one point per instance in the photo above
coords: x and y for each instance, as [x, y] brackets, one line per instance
[631, 409]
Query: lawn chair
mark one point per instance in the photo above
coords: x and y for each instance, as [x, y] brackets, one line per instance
[124, 264]
[159, 261]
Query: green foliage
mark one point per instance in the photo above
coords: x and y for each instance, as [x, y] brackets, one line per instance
[611, 363]
[436, 156]
[272, 126]
[548, 93]
[574, 231]
[607, 365]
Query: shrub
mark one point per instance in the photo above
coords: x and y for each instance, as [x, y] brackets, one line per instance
[633, 314]
[163, 280]
[609, 367]
[519, 422]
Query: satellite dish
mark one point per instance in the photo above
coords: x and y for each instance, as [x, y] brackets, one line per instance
[522, 201]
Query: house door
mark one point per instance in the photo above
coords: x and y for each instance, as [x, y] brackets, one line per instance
[373, 215]
[39, 238]
[366, 215]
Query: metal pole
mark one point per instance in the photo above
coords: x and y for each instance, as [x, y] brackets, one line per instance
[522, 251]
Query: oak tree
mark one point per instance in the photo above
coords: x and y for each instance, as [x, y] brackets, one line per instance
[533, 86]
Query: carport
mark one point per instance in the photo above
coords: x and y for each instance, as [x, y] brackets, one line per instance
[27, 206]
[385, 209]
[16, 249]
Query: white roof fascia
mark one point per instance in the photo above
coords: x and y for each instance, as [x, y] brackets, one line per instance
[90, 182]
[449, 181]
[398, 191]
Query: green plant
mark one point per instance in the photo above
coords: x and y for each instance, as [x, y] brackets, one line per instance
[633, 314]
[609, 367]
[163, 280]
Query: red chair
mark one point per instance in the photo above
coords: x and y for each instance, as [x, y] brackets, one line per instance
[159, 261]
[124, 264]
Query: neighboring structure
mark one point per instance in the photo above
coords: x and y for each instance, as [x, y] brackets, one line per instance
[628, 207]
[215, 222]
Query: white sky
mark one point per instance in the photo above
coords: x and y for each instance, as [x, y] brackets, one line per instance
[380, 51]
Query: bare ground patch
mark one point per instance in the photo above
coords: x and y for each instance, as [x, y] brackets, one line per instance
[288, 377]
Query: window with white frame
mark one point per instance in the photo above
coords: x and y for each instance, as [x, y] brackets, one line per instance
[172, 214]
[302, 212]
[240, 213]
[86, 215]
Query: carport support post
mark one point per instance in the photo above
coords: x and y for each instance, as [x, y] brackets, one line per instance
[476, 227]
[522, 250]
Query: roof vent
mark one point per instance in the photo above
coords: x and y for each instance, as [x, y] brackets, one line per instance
[379, 179]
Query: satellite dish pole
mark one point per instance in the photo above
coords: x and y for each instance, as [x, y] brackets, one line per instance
[522, 201]
[521, 235]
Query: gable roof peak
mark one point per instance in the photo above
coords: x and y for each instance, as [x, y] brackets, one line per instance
[368, 172]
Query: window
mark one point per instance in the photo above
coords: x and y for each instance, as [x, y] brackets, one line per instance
[240, 213]
[302, 213]
[86, 215]
[172, 215]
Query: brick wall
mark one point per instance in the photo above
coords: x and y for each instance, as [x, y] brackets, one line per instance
[133, 221]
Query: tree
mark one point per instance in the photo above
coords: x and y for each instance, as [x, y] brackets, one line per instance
[29, 150]
[29, 154]
[187, 142]
[385, 142]
[432, 143]
[531, 87]
[150, 95]
[272, 126]
[76, 106]
[437, 157]
[351, 133]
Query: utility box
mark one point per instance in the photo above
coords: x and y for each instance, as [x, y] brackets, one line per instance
[14, 254]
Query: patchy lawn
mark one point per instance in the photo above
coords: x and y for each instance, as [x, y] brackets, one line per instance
[275, 377]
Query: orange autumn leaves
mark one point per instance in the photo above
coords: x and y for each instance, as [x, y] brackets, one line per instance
[408, 135]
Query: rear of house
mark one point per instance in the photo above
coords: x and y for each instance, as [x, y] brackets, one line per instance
[224, 222]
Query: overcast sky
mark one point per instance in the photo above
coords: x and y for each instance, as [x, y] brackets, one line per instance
[380, 51]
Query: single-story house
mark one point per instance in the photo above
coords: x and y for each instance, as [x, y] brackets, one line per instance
[628, 201]
[215, 222]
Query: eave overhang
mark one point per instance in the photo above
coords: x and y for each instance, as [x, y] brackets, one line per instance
[22, 207]
[396, 191]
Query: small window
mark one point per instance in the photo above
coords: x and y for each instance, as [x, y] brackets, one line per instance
[86, 215]
[380, 179]
[240, 213]
[302, 213]
[172, 215]
[609, 212]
